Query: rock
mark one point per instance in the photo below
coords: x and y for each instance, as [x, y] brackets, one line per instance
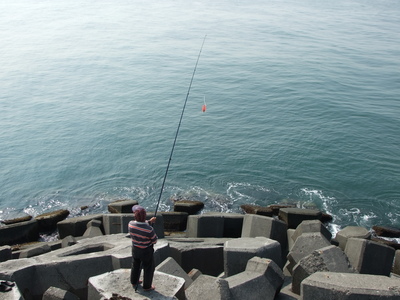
[347, 286]
[16, 220]
[48, 221]
[387, 231]
[277, 207]
[18, 233]
[294, 216]
[393, 244]
[189, 206]
[351, 232]
[122, 206]
[257, 210]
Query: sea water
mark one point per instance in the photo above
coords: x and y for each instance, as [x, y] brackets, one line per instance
[302, 105]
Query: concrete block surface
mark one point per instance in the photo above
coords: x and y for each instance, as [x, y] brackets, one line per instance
[122, 206]
[255, 225]
[118, 283]
[328, 259]
[370, 257]
[294, 216]
[209, 288]
[205, 226]
[311, 226]
[171, 267]
[5, 253]
[53, 293]
[396, 267]
[351, 232]
[237, 253]
[346, 286]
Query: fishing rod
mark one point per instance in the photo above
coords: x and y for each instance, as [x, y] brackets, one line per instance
[179, 125]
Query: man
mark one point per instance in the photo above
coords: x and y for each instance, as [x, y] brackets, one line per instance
[143, 238]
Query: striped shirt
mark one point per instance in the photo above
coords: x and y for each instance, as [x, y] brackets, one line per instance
[142, 234]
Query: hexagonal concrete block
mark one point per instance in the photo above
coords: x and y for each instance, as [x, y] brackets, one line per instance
[351, 232]
[237, 253]
[347, 286]
[311, 226]
[208, 288]
[370, 257]
[294, 216]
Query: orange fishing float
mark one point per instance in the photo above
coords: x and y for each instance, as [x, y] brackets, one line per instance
[204, 107]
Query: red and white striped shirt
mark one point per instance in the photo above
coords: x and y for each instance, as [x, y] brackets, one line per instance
[142, 234]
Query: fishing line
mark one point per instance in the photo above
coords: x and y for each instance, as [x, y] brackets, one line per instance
[179, 125]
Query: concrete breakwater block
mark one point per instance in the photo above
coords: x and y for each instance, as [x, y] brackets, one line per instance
[351, 232]
[171, 267]
[233, 223]
[118, 223]
[19, 233]
[118, 283]
[294, 216]
[122, 206]
[205, 226]
[396, 267]
[175, 221]
[255, 225]
[5, 253]
[75, 226]
[207, 287]
[304, 245]
[328, 259]
[345, 286]
[237, 253]
[53, 293]
[189, 206]
[370, 257]
[204, 254]
[48, 221]
[311, 226]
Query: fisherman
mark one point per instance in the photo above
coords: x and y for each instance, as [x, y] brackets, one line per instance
[143, 238]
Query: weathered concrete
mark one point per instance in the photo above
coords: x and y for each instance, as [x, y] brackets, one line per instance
[18, 233]
[294, 216]
[346, 286]
[194, 274]
[14, 294]
[118, 283]
[53, 293]
[237, 253]
[290, 240]
[204, 254]
[48, 221]
[122, 206]
[34, 251]
[175, 221]
[59, 268]
[304, 245]
[233, 224]
[5, 253]
[209, 288]
[257, 210]
[269, 269]
[351, 232]
[75, 226]
[311, 226]
[396, 266]
[387, 231]
[189, 206]
[171, 267]
[369, 257]
[118, 223]
[328, 259]
[205, 226]
[254, 225]
[93, 229]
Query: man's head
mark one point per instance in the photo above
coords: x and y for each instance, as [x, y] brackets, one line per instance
[139, 212]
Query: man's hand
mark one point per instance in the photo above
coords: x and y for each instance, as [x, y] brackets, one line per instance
[153, 220]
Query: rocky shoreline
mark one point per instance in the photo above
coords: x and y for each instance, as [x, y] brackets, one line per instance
[275, 252]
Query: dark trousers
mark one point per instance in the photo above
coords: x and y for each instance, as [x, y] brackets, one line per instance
[143, 258]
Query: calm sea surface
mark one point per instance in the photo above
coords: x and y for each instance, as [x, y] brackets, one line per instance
[303, 105]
